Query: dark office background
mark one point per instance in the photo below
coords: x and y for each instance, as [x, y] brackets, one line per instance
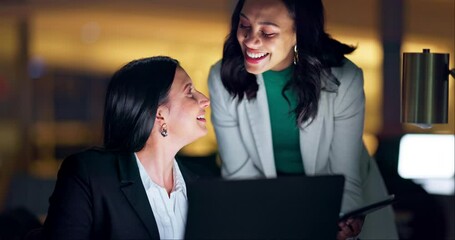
[56, 58]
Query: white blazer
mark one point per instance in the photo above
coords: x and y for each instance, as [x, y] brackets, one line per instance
[331, 144]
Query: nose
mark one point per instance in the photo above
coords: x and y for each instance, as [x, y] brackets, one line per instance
[203, 101]
[251, 40]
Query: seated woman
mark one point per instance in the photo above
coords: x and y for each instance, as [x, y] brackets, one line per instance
[132, 187]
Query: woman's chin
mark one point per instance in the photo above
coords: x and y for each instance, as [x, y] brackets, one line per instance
[254, 68]
[201, 133]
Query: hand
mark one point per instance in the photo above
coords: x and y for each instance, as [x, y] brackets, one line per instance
[350, 228]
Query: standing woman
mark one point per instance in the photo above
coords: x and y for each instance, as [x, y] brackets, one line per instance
[285, 101]
[132, 188]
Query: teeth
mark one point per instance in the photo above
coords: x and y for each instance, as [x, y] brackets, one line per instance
[255, 55]
[200, 117]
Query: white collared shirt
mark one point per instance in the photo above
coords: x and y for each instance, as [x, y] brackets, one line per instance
[169, 211]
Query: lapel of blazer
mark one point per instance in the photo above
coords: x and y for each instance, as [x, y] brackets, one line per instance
[310, 137]
[259, 120]
[187, 174]
[132, 187]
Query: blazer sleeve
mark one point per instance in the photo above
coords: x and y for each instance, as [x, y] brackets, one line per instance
[70, 206]
[347, 145]
[236, 162]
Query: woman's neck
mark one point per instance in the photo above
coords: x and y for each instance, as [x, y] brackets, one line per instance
[158, 161]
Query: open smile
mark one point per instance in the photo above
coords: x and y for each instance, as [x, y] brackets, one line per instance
[201, 118]
[255, 58]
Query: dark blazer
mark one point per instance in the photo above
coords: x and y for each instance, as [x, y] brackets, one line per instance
[100, 195]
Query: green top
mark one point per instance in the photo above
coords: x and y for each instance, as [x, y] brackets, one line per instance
[285, 132]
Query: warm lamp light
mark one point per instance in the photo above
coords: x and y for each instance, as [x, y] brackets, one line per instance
[425, 88]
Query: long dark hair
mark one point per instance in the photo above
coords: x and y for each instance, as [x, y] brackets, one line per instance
[317, 52]
[133, 96]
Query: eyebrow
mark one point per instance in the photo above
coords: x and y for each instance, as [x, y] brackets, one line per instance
[261, 23]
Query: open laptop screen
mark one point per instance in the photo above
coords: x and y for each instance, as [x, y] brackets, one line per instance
[285, 207]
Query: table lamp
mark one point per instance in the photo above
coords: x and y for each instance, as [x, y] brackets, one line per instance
[425, 88]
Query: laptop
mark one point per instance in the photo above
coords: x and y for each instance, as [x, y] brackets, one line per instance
[300, 207]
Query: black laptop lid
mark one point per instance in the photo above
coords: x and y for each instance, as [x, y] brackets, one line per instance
[285, 207]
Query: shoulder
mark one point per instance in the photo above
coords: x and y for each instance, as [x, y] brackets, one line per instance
[216, 67]
[350, 91]
[347, 72]
[89, 160]
[350, 78]
[216, 87]
[92, 155]
[215, 73]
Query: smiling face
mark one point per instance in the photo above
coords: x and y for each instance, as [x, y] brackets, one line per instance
[185, 109]
[266, 35]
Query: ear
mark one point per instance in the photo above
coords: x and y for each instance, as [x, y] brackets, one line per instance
[162, 114]
[294, 38]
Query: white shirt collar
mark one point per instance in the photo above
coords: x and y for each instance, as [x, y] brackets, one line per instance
[179, 181]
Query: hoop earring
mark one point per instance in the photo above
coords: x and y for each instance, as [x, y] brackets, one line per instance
[296, 55]
[163, 130]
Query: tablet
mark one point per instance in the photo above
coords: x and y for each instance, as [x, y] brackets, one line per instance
[368, 208]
